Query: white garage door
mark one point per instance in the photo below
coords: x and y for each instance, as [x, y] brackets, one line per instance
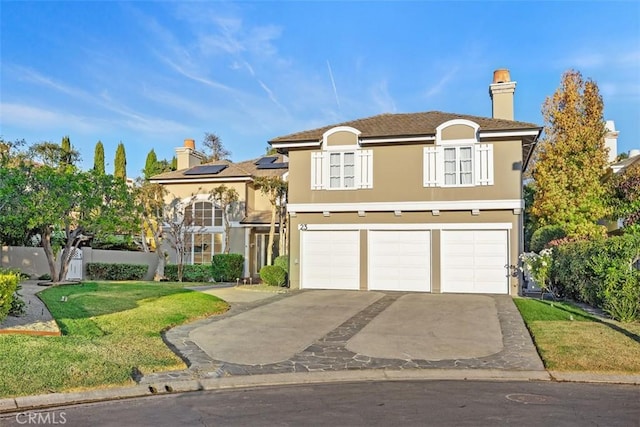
[473, 261]
[399, 260]
[330, 259]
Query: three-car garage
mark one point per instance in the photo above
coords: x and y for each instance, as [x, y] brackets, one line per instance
[416, 258]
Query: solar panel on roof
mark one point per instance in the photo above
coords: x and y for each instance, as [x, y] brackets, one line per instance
[274, 166]
[265, 160]
[206, 170]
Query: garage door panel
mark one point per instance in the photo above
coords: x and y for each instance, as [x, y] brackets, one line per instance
[473, 261]
[330, 259]
[399, 260]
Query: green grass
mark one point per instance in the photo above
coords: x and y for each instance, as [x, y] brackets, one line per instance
[109, 329]
[539, 310]
[569, 339]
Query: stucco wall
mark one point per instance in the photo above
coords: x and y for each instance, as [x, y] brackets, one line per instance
[398, 177]
[32, 261]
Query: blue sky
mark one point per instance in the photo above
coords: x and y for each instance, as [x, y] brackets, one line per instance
[151, 74]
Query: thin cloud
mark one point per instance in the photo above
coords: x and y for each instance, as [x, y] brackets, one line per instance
[271, 95]
[35, 117]
[382, 97]
[333, 84]
[442, 83]
[196, 78]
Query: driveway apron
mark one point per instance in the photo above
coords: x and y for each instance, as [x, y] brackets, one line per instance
[432, 327]
[322, 331]
[275, 332]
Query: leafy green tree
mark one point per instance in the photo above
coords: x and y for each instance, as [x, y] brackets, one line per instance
[151, 165]
[214, 149]
[54, 155]
[528, 192]
[11, 153]
[174, 163]
[14, 227]
[120, 163]
[276, 191]
[571, 159]
[98, 158]
[150, 199]
[225, 197]
[50, 200]
[626, 198]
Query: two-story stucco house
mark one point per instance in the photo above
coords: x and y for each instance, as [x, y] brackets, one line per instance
[249, 217]
[428, 202]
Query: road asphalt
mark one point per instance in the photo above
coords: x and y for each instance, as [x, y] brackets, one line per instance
[307, 337]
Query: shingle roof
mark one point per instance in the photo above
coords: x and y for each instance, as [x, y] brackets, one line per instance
[258, 217]
[623, 164]
[245, 169]
[404, 125]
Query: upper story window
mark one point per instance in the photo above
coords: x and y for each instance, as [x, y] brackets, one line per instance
[458, 166]
[203, 214]
[342, 170]
[342, 164]
[458, 159]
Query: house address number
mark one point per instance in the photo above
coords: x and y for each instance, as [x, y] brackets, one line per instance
[302, 227]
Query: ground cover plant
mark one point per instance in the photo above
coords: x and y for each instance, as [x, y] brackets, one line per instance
[110, 330]
[570, 339]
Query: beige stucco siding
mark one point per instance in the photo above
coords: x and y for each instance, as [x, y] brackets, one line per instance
[458, 132]
[184, 190]
[342, 138]
[446, 220]
[398, 176]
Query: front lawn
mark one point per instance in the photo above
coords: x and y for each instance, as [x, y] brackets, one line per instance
[569, 339]
[109, 330]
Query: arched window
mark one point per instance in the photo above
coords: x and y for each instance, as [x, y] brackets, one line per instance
[204, 234]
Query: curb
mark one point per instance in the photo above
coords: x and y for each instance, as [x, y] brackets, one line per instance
[168, 387]
[25, 403]
[594, 377]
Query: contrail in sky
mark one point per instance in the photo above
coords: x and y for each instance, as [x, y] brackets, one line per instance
[333, 83]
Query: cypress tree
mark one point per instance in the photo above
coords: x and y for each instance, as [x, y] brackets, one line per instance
[66, 151]
[120, 164]
[151, 165]
[98, 158]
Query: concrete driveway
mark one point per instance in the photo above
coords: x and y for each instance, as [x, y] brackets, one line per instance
[332, 330]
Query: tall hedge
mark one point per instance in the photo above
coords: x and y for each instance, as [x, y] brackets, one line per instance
[107, 271]
[602, 273]
[190, 272]
[227, 267]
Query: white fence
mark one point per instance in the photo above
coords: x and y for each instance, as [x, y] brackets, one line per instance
[32, 261]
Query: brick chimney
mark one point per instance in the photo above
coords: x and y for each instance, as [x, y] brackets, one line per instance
[501, 92]
[187, 156]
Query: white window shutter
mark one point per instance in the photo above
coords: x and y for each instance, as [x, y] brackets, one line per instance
[364, 169]
[484, 164]
[431, 168]
[317, 171]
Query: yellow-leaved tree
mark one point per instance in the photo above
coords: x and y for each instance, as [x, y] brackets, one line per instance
[571, 159]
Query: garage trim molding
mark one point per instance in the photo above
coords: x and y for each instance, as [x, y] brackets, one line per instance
[455, 205]
[417, 226]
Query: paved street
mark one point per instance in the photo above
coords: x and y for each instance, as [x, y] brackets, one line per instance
[409, 403]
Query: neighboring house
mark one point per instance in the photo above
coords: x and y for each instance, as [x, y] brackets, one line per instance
[250, 217]
[619, 167]
[633, 159]
[428, 202]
